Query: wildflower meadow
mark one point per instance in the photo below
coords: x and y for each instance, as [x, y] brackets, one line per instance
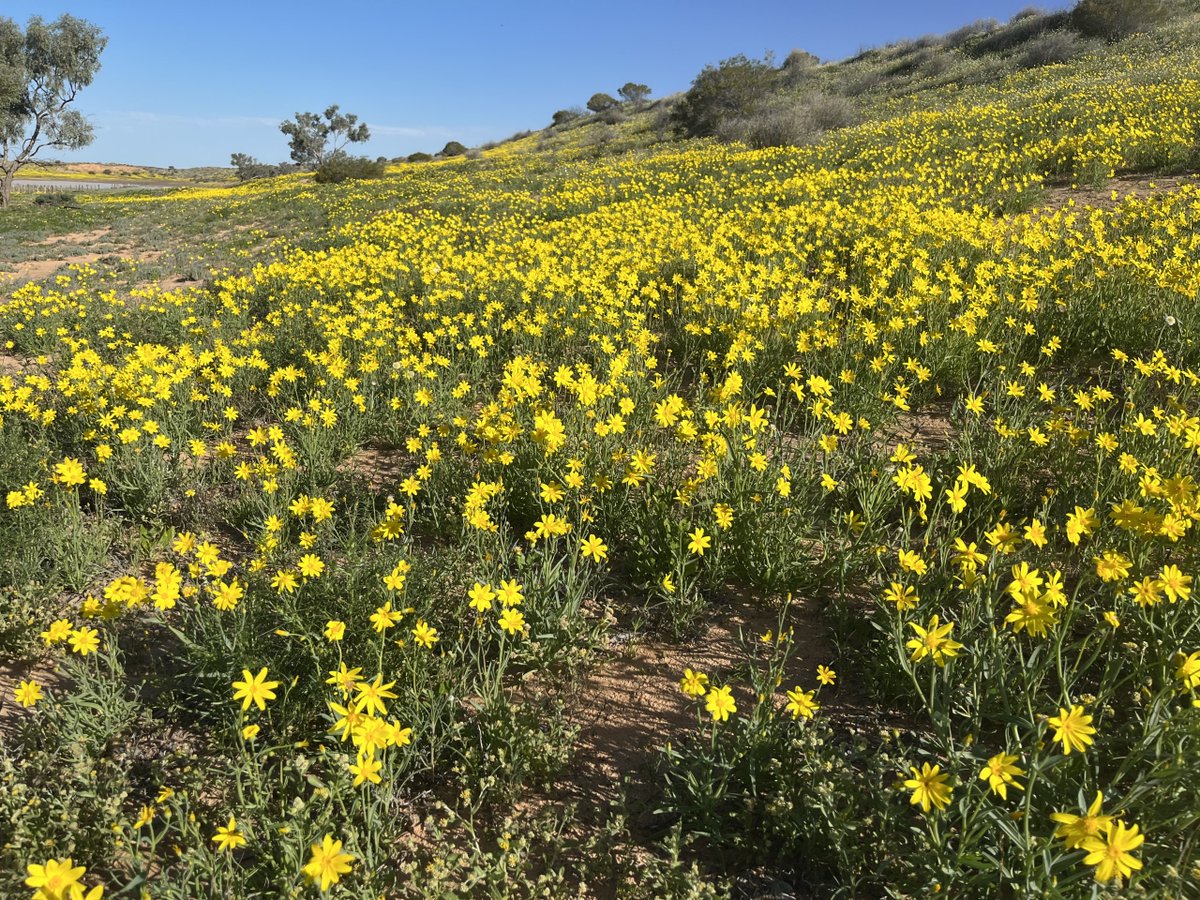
[309, 558]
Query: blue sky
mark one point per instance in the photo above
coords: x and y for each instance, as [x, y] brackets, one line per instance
[187, 84]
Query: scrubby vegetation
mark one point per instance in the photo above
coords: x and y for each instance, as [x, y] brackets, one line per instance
[343, 167]
[313, 564]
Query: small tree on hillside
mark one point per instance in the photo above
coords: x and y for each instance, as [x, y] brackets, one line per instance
[633, 93]
[600, 102]
[247, 168]
[453, 148]
[41, 71]
[317, 138]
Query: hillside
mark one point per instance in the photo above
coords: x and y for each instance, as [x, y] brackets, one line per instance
[123, 172]
[623, 514]
[799, 99]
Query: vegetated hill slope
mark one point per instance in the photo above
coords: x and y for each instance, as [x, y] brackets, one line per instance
[474, 422]
[800, 100]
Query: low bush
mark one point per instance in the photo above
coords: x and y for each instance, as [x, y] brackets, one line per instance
[58, 198]
[563, 116]
[348, 168]
[738, 88]
[960, 36]
[1019, 32]
[600, 102]
[1116, 19]
[799, 67]
[247, 168]
[786, 122]
[1028, 12]
[1052, 47]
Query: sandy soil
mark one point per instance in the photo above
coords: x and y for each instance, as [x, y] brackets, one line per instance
[631, 704]
[1123, 186]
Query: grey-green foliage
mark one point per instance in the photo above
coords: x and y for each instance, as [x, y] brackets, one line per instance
[315, 138]
[738, 88]
[1115, 19]
[563, 116]
[634, 93]
[340, 167]
[600, 102]
[248, 168]
[42, 69]
[1053, 47]
[790, 120]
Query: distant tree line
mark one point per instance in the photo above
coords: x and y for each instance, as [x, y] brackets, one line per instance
[318, 145]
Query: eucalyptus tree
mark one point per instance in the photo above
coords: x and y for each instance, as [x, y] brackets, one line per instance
[42, 70]
[314, 138]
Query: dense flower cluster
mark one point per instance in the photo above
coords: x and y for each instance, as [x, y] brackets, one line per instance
[382, 473]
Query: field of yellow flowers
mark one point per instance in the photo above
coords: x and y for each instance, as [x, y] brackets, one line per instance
[300, 565]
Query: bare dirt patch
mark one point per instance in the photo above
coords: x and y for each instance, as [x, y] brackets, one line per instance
[379, 466]
[12, 365]
[1116, 191]
[44, 672]
[38, 269]
[631, 704]
[174, 283]
[926, 430]
[77, 237]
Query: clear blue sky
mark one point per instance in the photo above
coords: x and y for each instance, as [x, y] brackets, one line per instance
[186, 84]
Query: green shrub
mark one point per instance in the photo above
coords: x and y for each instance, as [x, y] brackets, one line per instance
[969, 32]
[247, 168]
[1019, 32]
[563, 116]
[348, 168]
[418, 157]
[737, 88]
[787, 123]
[801, 59]
[453, 148]
[1052, 47]
[58, 198]
[1116, 19]
[612, 116]
[600, 102]
[634, 93]
[799, 67]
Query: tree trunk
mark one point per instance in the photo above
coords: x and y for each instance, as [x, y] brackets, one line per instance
[6, 181]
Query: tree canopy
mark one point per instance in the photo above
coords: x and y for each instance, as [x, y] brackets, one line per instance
[42, 69]
[316, 138]
[600, 102]
[634, 92]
